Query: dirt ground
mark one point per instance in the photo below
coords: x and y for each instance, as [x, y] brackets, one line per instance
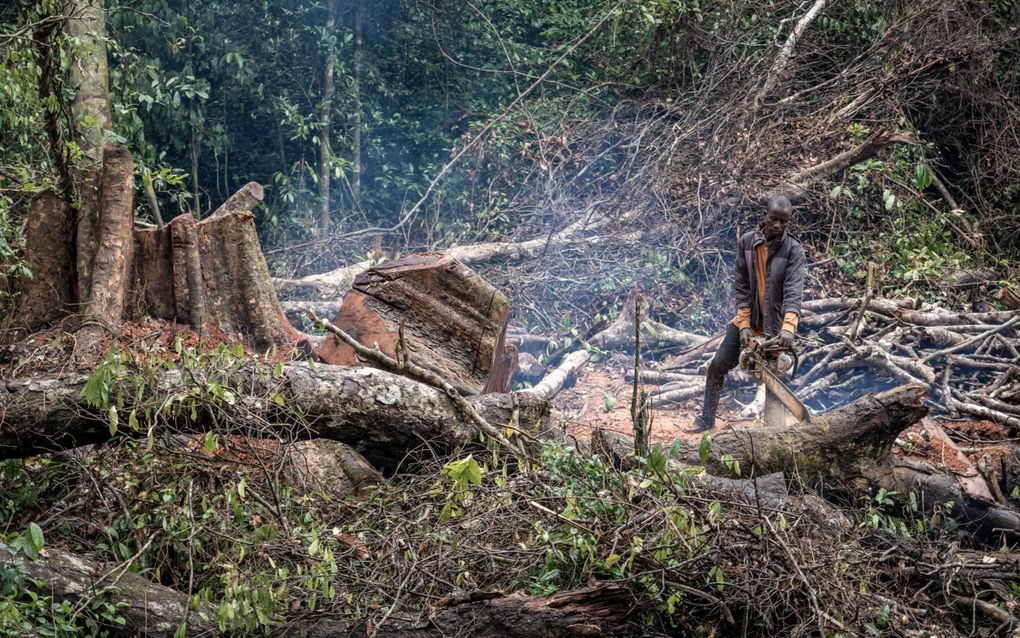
[601, 399]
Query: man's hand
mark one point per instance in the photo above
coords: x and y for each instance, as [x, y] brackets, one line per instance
[745, 336]
[785, 339]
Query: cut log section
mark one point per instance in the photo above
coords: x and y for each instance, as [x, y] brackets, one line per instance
[454, 322]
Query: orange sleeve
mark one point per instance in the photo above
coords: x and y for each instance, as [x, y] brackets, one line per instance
[790, 321]
[742, 319]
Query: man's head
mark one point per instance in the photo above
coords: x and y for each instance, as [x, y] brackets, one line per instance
[777, 216]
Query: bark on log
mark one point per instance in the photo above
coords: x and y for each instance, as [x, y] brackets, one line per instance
[330, 467]
[943, 492]
[148, 609]
[244, 200]
[384, 416]
[157, 611]
[841, 445]
[851, 448]
[553, 382]
[454, 322]
[837, 447]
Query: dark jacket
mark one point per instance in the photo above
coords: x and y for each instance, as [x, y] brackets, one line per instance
[784, 280]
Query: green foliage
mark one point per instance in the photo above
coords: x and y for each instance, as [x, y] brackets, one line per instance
[461, 473]
[890, 220]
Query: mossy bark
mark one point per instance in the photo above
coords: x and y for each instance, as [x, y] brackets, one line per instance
[384, 416]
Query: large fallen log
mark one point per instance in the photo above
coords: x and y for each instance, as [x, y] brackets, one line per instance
[148, 609]
[153, 610]
[382, 414]
[837, 446]
[450, 319]
[850, 449]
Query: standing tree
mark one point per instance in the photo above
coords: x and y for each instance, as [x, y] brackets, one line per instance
[325, 113]
[359, 61]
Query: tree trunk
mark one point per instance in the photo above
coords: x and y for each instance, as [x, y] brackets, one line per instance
[452, 319]
[148, 609]
[212, 275]
[157, 611]
[836, 447]
[325, 114]
[87, 75]
[849, 449]
[196, 193]
[359, 32]
[90, 110]
[108, 278]
[52, 288]
[383, 415]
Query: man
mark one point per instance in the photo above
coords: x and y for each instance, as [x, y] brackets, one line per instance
[769, 290]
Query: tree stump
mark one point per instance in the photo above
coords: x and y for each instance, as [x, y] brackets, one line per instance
[454, 322]
[210, 274]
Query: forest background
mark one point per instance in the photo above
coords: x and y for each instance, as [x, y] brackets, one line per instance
[584, 148]
[346, 112]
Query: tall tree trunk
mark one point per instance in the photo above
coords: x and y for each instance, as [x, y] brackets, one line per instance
[90, 110]
[359, 16]
[88, 75]
[196, 204]
[326, 108]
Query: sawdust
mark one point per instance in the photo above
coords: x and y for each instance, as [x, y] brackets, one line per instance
[50, 351]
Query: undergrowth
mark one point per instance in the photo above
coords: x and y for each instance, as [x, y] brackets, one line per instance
[230, 520]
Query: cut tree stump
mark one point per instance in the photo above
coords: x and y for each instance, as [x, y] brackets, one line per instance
[48, 294]
[210, 274]
[454, 322]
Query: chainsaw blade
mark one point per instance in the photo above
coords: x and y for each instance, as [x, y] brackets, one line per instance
[784, 394]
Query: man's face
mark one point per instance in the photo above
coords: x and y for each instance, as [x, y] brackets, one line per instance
[776, 220]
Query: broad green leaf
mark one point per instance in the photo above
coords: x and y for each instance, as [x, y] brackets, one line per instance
[705, 449]
[35, 537]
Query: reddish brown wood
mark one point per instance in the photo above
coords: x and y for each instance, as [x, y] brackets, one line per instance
[452, 317]
[51, 289]
[210, 274]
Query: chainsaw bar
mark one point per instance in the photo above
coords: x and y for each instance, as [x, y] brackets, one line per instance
[784, 394]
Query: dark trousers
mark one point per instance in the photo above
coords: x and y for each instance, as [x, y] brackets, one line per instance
[725, 359]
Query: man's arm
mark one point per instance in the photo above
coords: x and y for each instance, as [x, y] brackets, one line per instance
[793, 289]
[742, 286]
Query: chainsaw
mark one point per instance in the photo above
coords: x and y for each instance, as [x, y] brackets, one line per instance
[768, 362]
